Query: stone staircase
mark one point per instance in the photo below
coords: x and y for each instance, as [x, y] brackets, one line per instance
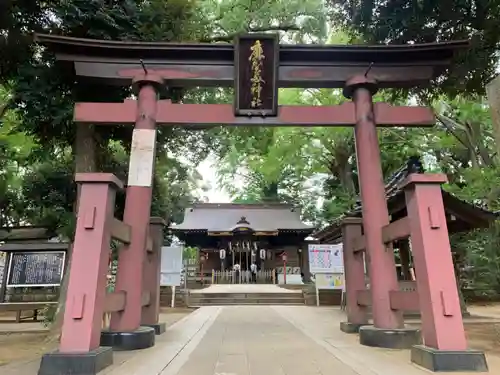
[166, 297]
[238, 296]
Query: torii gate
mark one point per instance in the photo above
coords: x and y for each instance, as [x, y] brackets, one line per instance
[256, 76]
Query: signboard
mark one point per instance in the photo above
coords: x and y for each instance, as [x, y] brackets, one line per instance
[142, 157]
[256, 60]
[30, 269]
[329, 281]
[2, 268]
[171, 265]
[326, 258]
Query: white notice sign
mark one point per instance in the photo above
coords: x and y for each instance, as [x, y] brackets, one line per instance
[326, 258]
[142, 157]
[171, 265]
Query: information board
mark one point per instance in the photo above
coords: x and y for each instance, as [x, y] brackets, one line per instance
[329, 281]
[326, 258]
[171, 265]
[2, 265]
[35, 268]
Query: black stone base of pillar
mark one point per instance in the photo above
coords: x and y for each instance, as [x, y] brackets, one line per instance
[448, 361]
[348, 327]
[142, 338]
[158, 327]
[89, 363]
[402, 338]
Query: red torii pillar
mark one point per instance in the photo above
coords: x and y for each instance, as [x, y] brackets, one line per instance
[388, 324]
[125, 330]
[374, 206]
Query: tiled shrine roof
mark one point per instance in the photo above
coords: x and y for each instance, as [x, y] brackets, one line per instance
[212, 217]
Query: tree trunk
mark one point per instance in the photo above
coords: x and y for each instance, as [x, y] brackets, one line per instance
[493, 93]
[457, 263]
[405, 257]
[85, 155]
[463, 304]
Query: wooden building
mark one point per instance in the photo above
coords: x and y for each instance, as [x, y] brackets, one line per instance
[246, 233]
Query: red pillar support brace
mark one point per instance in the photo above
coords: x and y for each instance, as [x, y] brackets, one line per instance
[138, 204]
[151, 277]
[79, 350]
[442, 325]
[382, 268]
[86, 293]
[354, 269]
[445, 344]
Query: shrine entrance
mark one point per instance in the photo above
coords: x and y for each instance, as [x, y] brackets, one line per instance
[231, 237]
[256, 66]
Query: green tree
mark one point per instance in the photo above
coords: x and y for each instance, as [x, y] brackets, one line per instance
[409, 21]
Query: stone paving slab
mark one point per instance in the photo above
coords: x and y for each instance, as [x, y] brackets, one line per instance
[244, 288]
[322, 325]
[179, 339]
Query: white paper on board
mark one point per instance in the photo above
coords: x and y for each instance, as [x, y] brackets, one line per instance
[142, 158]
[326, 258]
[171, 265]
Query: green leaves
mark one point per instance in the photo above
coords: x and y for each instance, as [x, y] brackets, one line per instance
[409, 21]
[296, 20]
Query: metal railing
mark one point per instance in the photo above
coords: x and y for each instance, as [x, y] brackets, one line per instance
[243, 277]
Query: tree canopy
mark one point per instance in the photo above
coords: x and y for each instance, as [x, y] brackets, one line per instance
[427, 21]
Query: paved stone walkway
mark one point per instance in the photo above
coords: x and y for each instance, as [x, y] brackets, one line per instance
[257, 340]
[266, 340]
[262, 340]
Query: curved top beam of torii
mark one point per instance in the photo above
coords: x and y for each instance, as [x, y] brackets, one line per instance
[304, 66]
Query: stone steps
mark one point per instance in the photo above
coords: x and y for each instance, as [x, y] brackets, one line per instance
[294, 286]
[245, 295]
[225, 299]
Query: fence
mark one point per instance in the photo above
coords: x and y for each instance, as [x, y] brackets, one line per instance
[243, 277]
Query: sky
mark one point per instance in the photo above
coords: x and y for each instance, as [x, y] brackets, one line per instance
[208, 171]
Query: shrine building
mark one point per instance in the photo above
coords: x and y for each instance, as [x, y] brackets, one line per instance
[230, 233]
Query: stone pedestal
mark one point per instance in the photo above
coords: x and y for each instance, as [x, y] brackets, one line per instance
[348, 327]
[400, 338]
[85, 363]
[142, 338]
[158, 327]
[449, 360]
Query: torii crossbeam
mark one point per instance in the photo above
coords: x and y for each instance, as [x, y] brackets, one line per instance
[203, 115]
